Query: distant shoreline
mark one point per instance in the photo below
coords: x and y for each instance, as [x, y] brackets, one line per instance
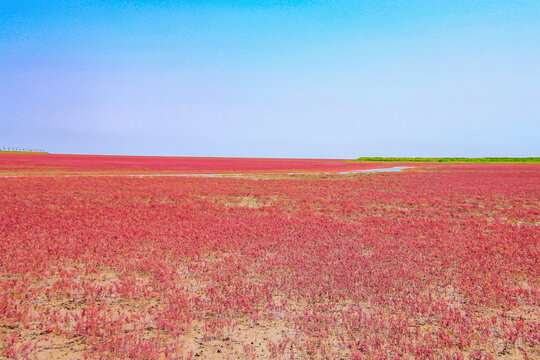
[486, 160]
[24, 152]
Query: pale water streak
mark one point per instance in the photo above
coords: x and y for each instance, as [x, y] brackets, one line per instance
[245, 175]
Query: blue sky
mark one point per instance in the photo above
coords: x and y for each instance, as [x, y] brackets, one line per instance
[336, 79]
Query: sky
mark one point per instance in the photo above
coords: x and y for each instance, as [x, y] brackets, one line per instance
[308, 79]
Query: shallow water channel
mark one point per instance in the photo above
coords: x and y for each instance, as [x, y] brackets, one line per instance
[392, 169]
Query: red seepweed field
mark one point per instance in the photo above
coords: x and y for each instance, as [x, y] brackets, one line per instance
[64, 164]
[434, 262]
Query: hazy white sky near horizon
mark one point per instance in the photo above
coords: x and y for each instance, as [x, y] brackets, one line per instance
[337, 79]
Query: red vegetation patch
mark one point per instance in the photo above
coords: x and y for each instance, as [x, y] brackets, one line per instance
[17, 163]
[438, 264]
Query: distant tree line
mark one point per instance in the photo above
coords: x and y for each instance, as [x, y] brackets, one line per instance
[21, 149]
